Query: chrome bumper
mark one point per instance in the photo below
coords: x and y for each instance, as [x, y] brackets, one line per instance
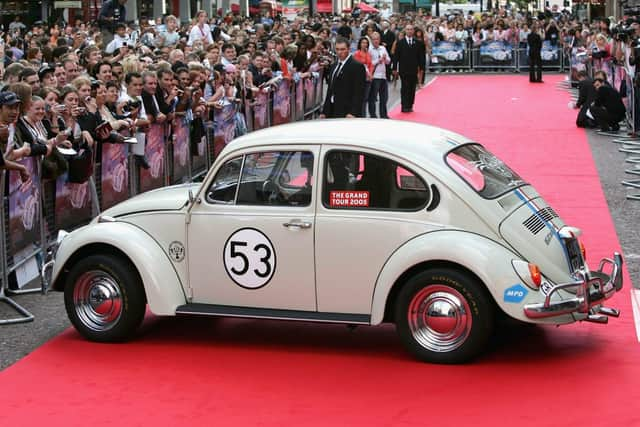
[591, 289]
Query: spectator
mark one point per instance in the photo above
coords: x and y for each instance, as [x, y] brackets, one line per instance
[200, 30]
[111, 14]
[379, 87]
[133, 82]
[607, 109]
[363, 56]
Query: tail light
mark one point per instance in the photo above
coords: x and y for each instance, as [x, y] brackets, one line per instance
[583, 251]
[536, 277]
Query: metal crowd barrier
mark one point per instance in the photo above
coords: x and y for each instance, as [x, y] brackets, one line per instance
[491, 56]
[31, 213]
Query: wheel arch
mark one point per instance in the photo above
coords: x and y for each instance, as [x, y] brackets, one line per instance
[484, 259]
[162, 286]
[418, 268]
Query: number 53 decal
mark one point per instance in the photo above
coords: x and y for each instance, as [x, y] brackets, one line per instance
[249, 258]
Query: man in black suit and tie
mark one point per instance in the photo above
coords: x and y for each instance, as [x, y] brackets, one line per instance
[387, 38]
[347, 79]
[408, 60]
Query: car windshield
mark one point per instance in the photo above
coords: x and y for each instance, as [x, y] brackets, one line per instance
[483, 171]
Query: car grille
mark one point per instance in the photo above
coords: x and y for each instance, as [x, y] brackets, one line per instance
[536, 221]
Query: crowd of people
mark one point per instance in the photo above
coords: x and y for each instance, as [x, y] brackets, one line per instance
[67, 88]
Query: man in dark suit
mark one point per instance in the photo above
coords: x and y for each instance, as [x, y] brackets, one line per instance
[535, 58]
[586, 95]
[387, 37]
[607, 108]
[347, 79]
[408, 60]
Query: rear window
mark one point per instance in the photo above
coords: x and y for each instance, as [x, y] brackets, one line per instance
[483, 171]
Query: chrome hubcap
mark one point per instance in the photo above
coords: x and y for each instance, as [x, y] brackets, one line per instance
[439, 318]
[97, 300]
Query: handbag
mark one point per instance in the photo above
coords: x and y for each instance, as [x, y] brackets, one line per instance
[54, 165]
[80, 166]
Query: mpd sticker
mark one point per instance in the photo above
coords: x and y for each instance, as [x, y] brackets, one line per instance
[349, 199]
[515, 293]
[176, 251]
[249, 258]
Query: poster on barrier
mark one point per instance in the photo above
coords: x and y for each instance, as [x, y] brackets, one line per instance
[299, 100]
[309, 94]
[496, 53]
[115, 174]
[224, 127]
[261, 111]
[199, 151]
[73, 203]
[282, 103]
[180, 150]
[154, 151]
[24, 208]
[578, 62]
[447, 53]
[319, 93]
[550, 54]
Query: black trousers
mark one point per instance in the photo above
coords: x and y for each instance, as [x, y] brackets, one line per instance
[535, 68]
[408, 90]
[605, 119]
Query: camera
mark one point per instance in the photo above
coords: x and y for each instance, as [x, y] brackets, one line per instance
[132, 105]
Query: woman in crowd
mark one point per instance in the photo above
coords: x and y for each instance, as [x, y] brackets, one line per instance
[363, 56]
[78, 137]
[31, 129]
[200, 30]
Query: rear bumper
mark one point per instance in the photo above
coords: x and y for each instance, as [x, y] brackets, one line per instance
[590, 288]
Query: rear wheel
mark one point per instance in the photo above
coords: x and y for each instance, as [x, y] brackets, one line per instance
[104, 298]
[444, 316]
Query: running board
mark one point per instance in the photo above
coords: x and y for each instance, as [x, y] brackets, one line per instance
[271, 313]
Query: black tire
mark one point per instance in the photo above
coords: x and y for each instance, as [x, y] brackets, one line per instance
[466, 320]
[104, 298]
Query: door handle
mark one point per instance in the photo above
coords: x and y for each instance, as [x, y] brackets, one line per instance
[297, 224]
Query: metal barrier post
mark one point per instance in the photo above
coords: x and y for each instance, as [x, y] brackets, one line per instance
[25, 315]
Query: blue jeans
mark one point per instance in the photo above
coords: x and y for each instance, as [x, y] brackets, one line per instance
[379, 87]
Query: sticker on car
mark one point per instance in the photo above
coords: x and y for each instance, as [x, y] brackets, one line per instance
[515, 293]
[249, 258]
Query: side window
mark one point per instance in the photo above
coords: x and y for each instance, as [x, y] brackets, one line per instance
[362, 181]
[224, 185]
[277, 178]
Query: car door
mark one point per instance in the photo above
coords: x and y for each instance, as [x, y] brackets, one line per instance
[370, 205]
[251, 236]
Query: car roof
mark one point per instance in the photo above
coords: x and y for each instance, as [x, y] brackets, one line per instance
[412, 141]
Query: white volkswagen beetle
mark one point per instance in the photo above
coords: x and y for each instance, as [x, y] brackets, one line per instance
[345, 221]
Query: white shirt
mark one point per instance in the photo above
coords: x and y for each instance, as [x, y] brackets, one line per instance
[379, 58]
[198, 33]
[116, 43]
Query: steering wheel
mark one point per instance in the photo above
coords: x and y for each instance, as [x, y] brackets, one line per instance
[271, 192]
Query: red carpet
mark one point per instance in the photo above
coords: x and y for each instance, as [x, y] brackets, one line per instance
[244, 372]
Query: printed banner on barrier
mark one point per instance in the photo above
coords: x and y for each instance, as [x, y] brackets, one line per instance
[261, 111]
[443, 52]
[309, 94]
[24, 208]
[73, 203]
[299, 100]
[224, 127]
[115, 174]
[550, 53]
[154, 151]
[180, 150]
[496, 53]
[282, 103]
[198, 149]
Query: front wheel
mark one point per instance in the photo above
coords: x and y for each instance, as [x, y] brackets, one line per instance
[444, 316]
[104, 298]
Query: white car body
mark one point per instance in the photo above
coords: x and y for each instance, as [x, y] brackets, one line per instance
[339, 265]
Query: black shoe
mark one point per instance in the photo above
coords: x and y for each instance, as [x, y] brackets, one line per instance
[605, 129]
[410, 110]
[405, 110]
[615, 128]
[539, 81]
[142, 162]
